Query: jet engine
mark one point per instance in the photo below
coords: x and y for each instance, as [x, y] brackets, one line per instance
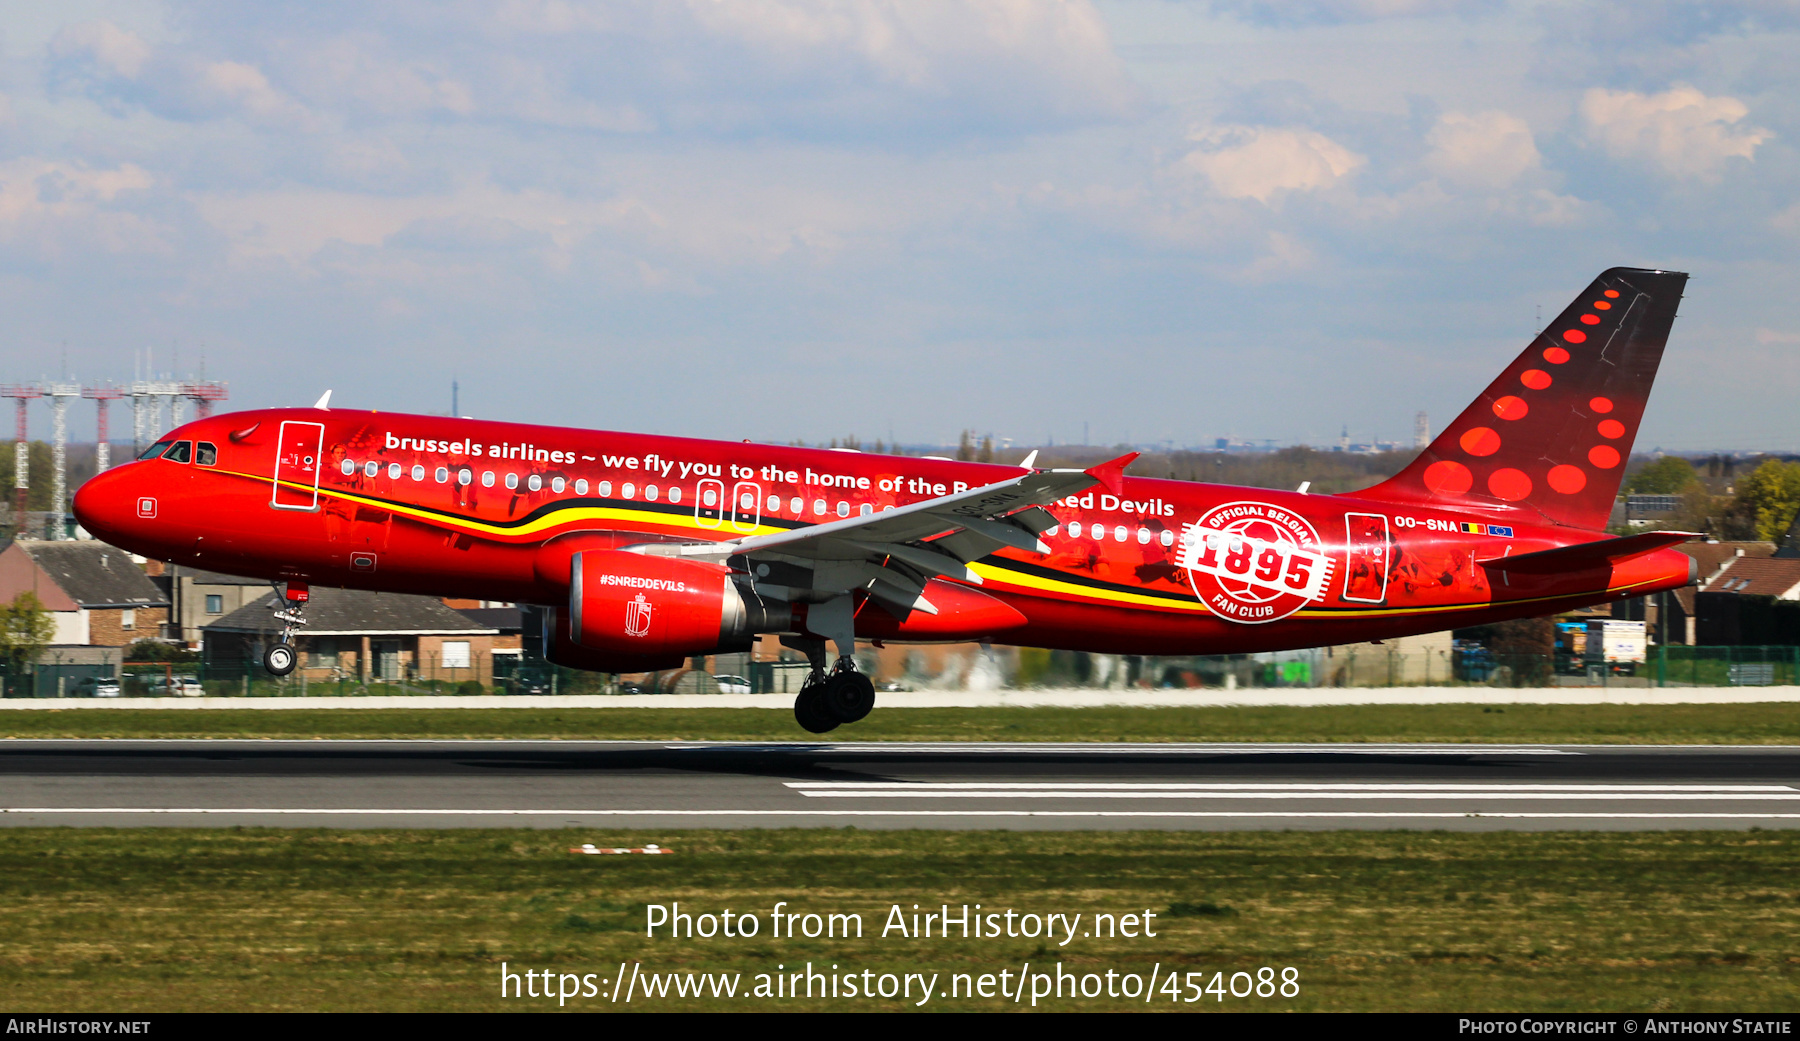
[633, 612]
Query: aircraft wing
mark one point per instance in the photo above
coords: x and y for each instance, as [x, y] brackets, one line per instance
[893, 553]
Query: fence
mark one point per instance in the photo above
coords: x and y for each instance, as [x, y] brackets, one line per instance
[1665, 667]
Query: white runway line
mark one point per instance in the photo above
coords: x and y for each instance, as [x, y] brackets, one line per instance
[1144, 749]
[1321, 796]
[1163, 814]
[1289, 786]
[1315, 792]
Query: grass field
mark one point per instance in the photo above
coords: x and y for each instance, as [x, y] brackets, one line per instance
[98, 919]
[1762, 723]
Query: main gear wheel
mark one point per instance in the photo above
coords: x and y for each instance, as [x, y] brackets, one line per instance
[849, 695]
[810, 708]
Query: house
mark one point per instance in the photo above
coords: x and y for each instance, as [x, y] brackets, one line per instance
[95, 593]
[352, 634]
[198, 597]
[1750, 600]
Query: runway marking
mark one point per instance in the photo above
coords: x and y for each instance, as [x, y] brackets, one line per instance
[1294, 786]
[1167, 814]
[1321, 796]
[1334, 792]
[1145, 749]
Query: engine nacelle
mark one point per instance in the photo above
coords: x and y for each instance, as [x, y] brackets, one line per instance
[561, 648]
[641, 606]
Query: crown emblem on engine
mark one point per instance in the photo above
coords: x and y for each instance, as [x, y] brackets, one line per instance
[637, 616]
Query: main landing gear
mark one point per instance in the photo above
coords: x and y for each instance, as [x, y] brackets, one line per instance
[827, 702]
[845, 695]
[281, 657]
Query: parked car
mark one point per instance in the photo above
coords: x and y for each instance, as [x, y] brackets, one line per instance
[97, 687]
[176, 687]
[732, 684]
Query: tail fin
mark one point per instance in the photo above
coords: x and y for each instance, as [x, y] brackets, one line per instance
[1552, 434]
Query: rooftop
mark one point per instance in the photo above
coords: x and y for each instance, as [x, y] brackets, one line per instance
[94, 574]
[357, 612]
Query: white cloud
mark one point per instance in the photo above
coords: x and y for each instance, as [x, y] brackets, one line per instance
[1331, 12]
[118, 52]
[50, 205]
[1681, 130]
[1260, 162]
[1482, 150]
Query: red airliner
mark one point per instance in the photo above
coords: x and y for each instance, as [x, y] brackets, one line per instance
[650, 550]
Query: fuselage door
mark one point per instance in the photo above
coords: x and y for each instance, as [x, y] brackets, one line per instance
[297, 466]
[1366, 551]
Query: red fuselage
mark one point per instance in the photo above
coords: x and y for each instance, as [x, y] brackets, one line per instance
[465, 508]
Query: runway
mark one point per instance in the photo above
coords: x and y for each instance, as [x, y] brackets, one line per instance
[550, 784]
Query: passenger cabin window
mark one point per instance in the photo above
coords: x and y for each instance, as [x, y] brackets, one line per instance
[674, 494]
[180, 452]
[442, 474]
[557, 484]
[418, 472]
[393, 471]
[206, 453]
[512, 481]
[349, 467]
[371, 468]
[155, 450]
[534, 482]
[581, 486]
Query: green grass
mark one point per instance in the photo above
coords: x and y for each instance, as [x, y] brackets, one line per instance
[165, 919]
[1770, 723]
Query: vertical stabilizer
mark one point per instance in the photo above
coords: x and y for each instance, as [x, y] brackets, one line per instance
[1554, 432]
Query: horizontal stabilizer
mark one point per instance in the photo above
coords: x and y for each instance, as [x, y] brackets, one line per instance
[1588, 555]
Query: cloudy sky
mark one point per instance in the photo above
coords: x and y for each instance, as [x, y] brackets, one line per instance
[1153, 220]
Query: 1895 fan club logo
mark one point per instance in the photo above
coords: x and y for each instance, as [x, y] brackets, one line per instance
[1253, 562]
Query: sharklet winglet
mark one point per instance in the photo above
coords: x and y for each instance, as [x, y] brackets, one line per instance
[1110, 474]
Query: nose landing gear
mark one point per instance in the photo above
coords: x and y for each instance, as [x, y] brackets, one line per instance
[280, 659]
[290, 611]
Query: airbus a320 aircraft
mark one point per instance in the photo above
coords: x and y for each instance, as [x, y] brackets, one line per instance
[650, 550]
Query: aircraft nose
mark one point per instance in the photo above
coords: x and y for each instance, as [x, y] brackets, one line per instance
[107, 506]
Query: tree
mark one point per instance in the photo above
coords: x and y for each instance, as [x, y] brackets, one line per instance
[965, 448]
[1768, 499]
[25, 630]
[1670, 475]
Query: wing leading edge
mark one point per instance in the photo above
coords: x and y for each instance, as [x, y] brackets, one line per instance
[893, 553]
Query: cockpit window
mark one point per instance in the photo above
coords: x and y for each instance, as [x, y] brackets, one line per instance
[180, 452]
[155, 450]
[206, 453]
